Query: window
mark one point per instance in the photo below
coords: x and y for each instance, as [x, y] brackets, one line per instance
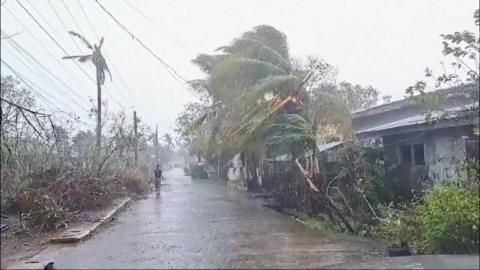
[418, 154]
[412, 154]
[406, 154]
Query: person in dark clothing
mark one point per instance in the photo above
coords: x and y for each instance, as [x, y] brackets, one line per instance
[158, 178]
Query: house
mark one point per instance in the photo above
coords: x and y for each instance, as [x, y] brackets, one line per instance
[422, 146]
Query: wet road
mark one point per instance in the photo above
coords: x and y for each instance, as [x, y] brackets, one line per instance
[204, 224]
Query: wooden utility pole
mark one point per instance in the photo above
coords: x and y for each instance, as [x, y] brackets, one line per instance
[135, 131]
[99, 111]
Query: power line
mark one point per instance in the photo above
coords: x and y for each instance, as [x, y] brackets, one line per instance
[44, 78]
[83, 34]
[61, 48]
[97, 37]
[53, 39]
[158, 27]
[41, 16]
[111, 59]
[29, 84]
[64, 26]
[72, 17]
[170, 69]
[42, 45]
[86, 17]
[24, 52]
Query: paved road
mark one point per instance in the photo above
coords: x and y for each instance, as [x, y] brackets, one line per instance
[204, 224]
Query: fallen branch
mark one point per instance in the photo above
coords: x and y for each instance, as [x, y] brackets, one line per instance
[305, 174]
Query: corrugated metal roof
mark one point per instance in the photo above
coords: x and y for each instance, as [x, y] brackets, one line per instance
[413, 120]
[460, 90]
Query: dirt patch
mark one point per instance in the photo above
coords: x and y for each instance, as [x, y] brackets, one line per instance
[18, 243]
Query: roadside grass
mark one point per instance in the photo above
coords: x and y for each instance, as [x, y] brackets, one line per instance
[318, 224]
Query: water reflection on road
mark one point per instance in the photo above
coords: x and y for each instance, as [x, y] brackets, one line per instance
[204, 224]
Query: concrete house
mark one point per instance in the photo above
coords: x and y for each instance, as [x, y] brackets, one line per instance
[419, 149]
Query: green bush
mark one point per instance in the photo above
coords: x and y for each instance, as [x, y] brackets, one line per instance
[449, 220]
[399, 227]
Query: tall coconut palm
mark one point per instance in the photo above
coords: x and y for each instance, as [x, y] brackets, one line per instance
[96, 57]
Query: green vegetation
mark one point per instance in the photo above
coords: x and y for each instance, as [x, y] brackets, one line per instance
[320, 225]
[445, 221]
[449, 220]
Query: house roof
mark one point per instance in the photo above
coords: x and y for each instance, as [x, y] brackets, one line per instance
[403, 103]
[420, 118]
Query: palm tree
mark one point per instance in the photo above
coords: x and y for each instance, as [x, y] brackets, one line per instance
[168, 140]
[96, 57]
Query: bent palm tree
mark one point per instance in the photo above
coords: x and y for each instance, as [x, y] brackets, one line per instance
[96, 57]
[261, 98]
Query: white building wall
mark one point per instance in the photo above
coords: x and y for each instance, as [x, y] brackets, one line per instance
[443, 154]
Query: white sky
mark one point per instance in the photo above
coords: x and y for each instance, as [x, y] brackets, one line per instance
[384, 43]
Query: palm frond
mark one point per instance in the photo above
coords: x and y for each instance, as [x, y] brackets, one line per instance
[283, 85]
[100, 43]
[73, 56]
[291, 133]
[207, 62]
[85, 58]
[250, 48]
[271, 37]
[84, 40]
[234, 74]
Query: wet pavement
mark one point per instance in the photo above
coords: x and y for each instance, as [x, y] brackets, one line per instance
[204, 224]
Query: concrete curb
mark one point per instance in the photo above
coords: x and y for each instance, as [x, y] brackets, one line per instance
[73, 235]
[78, 233]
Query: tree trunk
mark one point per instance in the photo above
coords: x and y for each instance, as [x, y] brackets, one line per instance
[99, 111]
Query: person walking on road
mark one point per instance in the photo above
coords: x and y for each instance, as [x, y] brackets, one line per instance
[158, 178]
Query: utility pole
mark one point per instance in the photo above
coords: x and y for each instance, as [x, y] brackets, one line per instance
[135, 131]
[155, 143]
[99, 111]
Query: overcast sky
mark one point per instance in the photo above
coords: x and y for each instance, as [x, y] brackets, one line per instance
[383, 43]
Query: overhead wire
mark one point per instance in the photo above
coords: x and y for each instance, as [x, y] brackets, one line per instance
[83, 34]
[64, 26]
[111, 59]
[169, 68]
[34, 88]
[41, 17]
[72, 17]
[30, 84]
[158, 26]
[17, 47]
[61, 48]
[106, 54]
[39, 42]
[44, 78]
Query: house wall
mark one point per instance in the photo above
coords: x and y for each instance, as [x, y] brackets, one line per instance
[442, 147]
